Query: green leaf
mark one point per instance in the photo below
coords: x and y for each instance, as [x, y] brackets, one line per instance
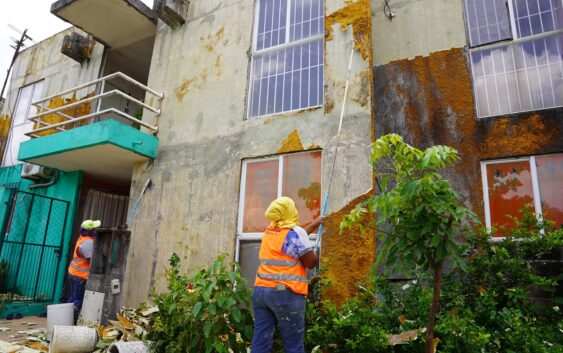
[207, 329]
[236, 314]
[197, 309]
[212, 309]
[435, 240]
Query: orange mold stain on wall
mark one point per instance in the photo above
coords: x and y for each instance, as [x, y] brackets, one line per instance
[346, 258]
[292, 143]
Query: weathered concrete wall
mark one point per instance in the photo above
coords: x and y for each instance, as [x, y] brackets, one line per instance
[429, 100]
[203, 69]
[44, 61]
[423, 91]
[420, 27]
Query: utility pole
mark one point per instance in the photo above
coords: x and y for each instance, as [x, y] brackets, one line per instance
[18, 44]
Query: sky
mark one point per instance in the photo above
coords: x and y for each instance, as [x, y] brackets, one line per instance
[34, 15]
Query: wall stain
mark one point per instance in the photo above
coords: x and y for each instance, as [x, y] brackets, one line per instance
[358, 15]
[75, 112]
[292, 143]
[364, 91]
[429, 100]
[182, 90]
[5, 121]
[346, 258]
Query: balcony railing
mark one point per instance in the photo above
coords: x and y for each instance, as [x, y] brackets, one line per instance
[68, 121]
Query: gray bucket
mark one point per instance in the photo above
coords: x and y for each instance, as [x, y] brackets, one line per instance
[73, 339]
[59, 314]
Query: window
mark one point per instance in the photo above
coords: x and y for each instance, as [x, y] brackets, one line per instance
[509, 185]
[519, 75]
[296, 175]
[288, 56]
[20, 123]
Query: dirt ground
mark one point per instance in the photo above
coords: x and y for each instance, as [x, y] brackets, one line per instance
[24, 324]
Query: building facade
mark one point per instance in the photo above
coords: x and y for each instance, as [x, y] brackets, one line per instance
[194, 115]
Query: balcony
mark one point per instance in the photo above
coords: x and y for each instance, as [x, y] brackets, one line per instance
[96, 134]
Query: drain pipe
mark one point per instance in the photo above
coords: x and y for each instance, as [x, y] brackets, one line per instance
[54, 179]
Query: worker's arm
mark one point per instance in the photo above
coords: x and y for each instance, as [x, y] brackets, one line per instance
[313, 226]
[310, 259]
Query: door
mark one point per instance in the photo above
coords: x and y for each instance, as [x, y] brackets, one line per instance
[30, 245]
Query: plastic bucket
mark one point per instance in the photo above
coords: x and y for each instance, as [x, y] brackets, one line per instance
[59, 314]
[129, 347]
[73, 339]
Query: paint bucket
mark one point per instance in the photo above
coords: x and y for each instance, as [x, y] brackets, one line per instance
[59, 314]
[73, 339]
[129, 347]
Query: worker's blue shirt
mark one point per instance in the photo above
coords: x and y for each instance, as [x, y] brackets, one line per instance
[296, 243]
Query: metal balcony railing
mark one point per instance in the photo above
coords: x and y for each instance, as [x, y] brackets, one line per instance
[96, 100]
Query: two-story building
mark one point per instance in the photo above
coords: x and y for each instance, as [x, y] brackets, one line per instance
[221, 106]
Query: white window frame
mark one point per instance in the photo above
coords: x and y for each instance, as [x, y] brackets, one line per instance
[258, 236]
[504, 43]
[287, 44]
[535, 187]
[13, 160]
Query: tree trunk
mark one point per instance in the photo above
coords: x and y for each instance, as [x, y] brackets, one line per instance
[434, 308]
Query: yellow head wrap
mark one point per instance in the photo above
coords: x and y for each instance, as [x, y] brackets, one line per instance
[282, 213]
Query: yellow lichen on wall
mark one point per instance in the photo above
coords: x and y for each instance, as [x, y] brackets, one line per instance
[292, 143]
[5, 121]
[358, 15]
[76, 111]
[347, 257]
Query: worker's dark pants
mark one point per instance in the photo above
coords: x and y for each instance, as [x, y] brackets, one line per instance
[285, 308]
[77, 288]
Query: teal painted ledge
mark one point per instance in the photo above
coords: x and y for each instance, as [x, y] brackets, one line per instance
[100, 133]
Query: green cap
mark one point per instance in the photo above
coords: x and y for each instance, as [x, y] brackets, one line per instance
[90, 224]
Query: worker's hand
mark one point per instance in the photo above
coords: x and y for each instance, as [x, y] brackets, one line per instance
[314, 225]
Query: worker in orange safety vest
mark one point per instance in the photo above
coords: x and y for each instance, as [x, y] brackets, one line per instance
[79, 268]
[281, 279]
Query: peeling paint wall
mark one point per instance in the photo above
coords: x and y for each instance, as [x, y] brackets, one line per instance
[429, 100]
[5, 121]
[44, 61]
[202, 68]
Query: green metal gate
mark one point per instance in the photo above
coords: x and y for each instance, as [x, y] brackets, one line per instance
[31, 242]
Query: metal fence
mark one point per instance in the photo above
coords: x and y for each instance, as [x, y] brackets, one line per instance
[31, 245]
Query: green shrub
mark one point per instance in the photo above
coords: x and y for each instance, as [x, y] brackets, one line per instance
[204, 312]
[488, 307]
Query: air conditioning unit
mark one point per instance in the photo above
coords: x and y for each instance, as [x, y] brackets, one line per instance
[36, 172]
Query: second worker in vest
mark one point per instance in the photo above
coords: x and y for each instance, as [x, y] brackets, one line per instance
[281, 280]
[79, 268]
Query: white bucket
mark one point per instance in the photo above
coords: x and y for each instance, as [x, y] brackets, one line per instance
[73, 339]
[129, 347]
[59, 314]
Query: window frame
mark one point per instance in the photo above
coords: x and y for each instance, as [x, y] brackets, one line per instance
[288, 43]
[515, 40]
[257, 236]
[534, 179]
[8, 148]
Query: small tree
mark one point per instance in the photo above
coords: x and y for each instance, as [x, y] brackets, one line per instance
[422, 213]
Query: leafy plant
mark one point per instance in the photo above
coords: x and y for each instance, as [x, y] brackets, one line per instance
[423, 213]
[204, 312]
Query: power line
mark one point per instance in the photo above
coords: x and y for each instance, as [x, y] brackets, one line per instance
[18, 45]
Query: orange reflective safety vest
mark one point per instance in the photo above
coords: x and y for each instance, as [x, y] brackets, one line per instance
[276, 267]
[80, 266]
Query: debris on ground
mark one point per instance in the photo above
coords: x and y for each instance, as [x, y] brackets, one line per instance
[6, 347]
[131, 325]
[405, 337]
